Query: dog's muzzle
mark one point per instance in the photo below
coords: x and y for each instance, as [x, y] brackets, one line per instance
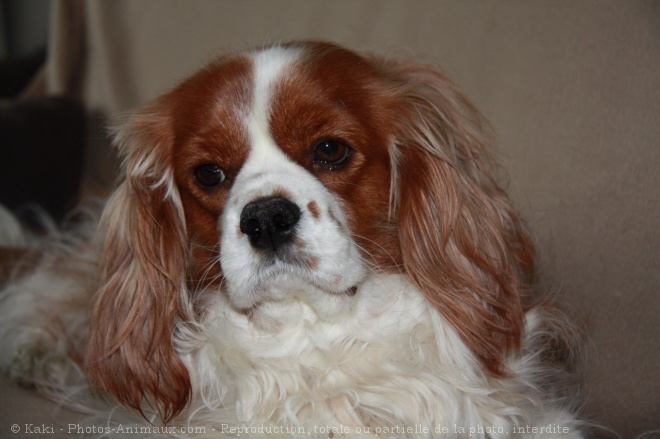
[269, 222]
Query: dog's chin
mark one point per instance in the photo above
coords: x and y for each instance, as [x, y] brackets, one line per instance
[323, 297]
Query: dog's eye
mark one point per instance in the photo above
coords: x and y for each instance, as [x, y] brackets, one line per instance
[331, 154]
[209, 176]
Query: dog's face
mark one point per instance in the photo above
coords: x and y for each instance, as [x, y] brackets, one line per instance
[295, 173]
[284, 171]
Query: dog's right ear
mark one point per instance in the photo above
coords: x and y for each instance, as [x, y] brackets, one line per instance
[462, 241]
[142, 274]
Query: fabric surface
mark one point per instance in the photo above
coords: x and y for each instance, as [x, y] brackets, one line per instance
[572, 90]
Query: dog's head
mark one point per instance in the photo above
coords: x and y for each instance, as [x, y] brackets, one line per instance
[295, 172]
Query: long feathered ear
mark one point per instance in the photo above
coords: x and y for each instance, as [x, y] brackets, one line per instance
[142, 275]
[462, 241]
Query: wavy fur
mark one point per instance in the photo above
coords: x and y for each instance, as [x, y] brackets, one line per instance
[366, 322]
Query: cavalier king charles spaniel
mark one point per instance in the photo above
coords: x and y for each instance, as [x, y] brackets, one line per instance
[304, 241]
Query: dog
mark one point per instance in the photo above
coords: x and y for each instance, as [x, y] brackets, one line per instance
[304, 241]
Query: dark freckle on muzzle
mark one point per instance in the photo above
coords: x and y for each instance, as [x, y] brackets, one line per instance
[313, 209]
[270, 222]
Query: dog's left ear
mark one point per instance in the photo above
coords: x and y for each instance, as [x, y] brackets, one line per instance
[143, 268]
[463, 243]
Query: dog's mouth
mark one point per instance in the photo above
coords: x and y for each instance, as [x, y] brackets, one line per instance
[286, 305]
[275, 280]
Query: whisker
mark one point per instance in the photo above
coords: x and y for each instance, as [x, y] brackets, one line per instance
[373, 264]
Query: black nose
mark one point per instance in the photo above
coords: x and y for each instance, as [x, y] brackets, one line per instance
[269, 222]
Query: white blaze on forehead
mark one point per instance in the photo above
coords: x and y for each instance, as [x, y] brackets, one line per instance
[324, 260]
[268, 66]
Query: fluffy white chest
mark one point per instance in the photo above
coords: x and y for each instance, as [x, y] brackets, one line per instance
[378, 360]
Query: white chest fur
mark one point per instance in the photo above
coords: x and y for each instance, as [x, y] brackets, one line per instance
[386, 359]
